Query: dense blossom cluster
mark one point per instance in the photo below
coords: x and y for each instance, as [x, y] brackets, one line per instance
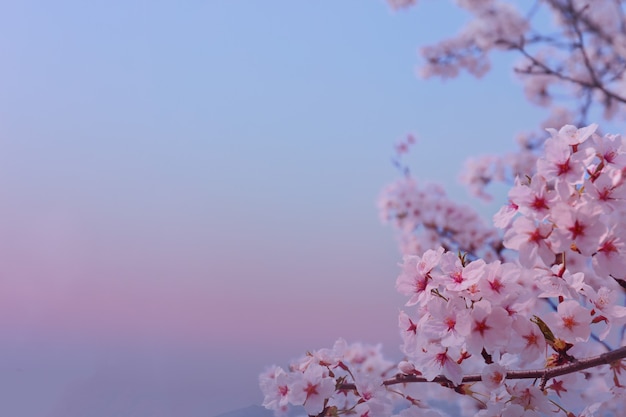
[525, 318]
[560, 301]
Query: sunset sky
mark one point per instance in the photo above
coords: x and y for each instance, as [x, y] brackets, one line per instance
[189, 188]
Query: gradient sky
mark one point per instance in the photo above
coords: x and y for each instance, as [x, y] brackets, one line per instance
[188, 190]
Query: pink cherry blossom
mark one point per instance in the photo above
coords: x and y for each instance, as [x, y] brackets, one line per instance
[529, 397]
[571, 322]
[437, 361]
[489, 328]
[531, 241]
[409, 327]
[611, 149]
[577, 226]
[444, 321]
[610, 259]
[572, 135]
[493, 376]
[481, 301]
[607, 189]
[560, 163]
[527, 339]
[456, 277]
[413, 281]
[275, 384]
[500, 282]
[311, 388]
[505, 215]
[534, 199]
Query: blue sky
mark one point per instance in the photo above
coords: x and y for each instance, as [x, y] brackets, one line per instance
[189, 190]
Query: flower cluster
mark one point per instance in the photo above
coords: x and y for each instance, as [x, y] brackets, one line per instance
[479, 172]
[566, 224]
[579, 60]
[582, 55]
[475, 324]
[495, 25]
[313, 380]
[426, 218]
[526, 318]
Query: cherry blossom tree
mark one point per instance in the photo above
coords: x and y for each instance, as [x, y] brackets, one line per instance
[523, 316]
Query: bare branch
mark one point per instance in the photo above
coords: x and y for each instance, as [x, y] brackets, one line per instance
[544, 374]
[545, 69]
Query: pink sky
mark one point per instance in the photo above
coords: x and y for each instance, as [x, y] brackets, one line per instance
[126, 292]
[187, 191]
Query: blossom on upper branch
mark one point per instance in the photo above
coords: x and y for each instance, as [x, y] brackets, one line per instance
[533, 198]
[531, 241]
[561, 163]
[458, 277]
[415, 279]
[578, 226]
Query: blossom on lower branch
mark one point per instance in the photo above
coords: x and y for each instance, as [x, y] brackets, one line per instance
[315, 380]
[547, 291]
[311, 388]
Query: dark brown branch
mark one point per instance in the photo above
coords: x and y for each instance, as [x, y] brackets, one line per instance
[566, 11]
[545, 69]
[543, 374]
[581, 43]
[576, 18]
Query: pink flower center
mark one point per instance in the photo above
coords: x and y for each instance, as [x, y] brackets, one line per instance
[412, 327]
[481, 326]
[457, 276]
[577, 229]
[496, 285]
[604, 194]
[310, 390]
[539, 203]
[497, 377]
[535, 236]
[569, 322]
[608, 247]
[531, 340]
[563, 168]
[557, 386]
[420, 285]
[450, 322]
[441, 358]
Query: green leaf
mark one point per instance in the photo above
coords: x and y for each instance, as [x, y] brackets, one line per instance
[547, 333]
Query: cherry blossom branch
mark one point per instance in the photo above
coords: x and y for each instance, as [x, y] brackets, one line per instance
[544, 374]
[576, 18]
[546, 70]
[596, 81]
[568, 10]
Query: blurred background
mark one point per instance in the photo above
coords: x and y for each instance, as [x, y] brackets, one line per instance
[188, 190]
